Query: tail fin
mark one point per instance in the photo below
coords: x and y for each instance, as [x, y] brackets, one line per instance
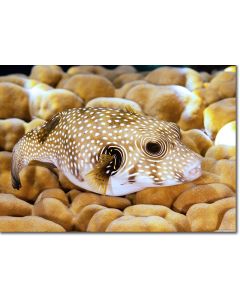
[15, 170]
[25, 150]
[16, 183]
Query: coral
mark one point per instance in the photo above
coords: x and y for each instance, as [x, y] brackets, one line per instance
[140, 224]
[169, 103]
[45, 102]
[101, 219]
[231, 69]
[229, 221]
[33, 124]
[119, 70]
[16, 79]
[222, 85]
[28, 224]
[64, 79]
[82, 219]
[218, 114]
[166, 76]
[196, 140]
[88, 86]
[111, 74]
[122, 92]
[12, 206]
[187, 77]
[205, 193]
[161, 196]
[11, 130]
[221, 152]
[64, 182]
[53, 193]
[208, 217]
[227, 135]
[97, 70]
[206, 77]
[83, 199]
[115, 103]
[50, 75]
[72, 194]
[225, 169]
[13, 102]
[124, 78]
[179, 221]
[54, 210]
[39, 100]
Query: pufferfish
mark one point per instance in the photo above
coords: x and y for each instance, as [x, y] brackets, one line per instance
[109, 151]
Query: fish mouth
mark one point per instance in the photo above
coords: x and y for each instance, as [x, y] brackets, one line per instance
[190, 173]
[168, 182]
[193, 172]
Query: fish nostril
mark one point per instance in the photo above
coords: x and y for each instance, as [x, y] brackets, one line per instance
[195, 171]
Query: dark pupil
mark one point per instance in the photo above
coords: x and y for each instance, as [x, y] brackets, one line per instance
[153, 148]
[115, 164]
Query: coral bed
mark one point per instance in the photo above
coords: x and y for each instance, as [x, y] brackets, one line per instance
[202, 104]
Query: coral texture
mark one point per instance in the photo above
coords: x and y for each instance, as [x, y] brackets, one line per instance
[203, 105]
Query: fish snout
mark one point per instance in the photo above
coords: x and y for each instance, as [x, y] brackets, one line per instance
[193, 171]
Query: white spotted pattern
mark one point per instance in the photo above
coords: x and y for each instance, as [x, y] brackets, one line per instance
[76, 142]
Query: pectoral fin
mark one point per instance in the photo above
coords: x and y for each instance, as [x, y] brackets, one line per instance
[99, 176]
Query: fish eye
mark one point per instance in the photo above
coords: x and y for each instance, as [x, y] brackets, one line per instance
[153, 148]
[118, 161]
[157, 148]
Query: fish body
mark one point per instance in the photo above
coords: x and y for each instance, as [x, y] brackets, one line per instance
[109, 151]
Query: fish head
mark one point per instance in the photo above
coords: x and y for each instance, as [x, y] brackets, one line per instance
[164, 158]
[150, 154]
